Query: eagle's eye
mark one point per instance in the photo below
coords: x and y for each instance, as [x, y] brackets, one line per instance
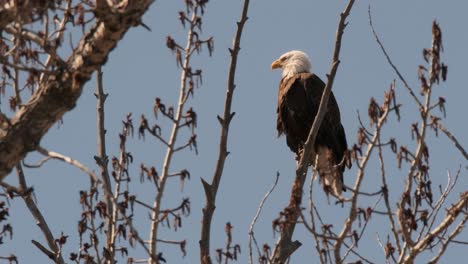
[282, 59]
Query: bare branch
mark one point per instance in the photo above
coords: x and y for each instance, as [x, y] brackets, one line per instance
[454, 139]
[211, 190]
[449, 240]
[259, 210]
[186, 84]
[76, 163]
[102, 159]
[452, 214]
[386, 196]
[26, 194]
[360, 176]
[410, 90]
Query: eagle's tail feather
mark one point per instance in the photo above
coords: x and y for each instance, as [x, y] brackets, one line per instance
[331, 176]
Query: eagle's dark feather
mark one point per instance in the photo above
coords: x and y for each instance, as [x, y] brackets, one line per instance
[298, 102]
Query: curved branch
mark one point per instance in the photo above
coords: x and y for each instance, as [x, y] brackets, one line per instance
[257, 214]
[76, 163]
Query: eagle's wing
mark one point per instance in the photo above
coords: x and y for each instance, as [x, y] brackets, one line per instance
[294, 112]
[330, 144]
[298, 102]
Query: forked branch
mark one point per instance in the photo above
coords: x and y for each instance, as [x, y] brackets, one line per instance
[225, 121]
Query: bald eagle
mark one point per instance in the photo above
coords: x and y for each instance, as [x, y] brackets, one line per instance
[299, 97]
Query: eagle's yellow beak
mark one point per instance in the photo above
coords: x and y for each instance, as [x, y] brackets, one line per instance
[276, 64]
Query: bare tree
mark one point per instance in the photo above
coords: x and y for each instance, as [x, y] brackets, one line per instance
[49, 51]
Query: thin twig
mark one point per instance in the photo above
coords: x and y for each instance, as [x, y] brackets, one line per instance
[117, 187]
[259, 210]
[410, 90]
[435, 211]
[312, 218]
[76, 163]
[386, 196]
[382, 246]
[454, 139]
[355, 241]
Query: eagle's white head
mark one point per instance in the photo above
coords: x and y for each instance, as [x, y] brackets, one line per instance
[293, 62]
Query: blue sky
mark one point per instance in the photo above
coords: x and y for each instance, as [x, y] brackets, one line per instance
[141, 68]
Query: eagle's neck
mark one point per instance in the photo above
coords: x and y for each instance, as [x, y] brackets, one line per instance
[294, 67]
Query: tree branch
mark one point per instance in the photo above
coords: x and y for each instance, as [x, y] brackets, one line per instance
[170, 150]
[454, 139]
[76, 163]
[102, 159]
[212, 189]
[452, 214]
[26, 194]
[410, 90]
[259, 210]
[449, 239]
[360, 177]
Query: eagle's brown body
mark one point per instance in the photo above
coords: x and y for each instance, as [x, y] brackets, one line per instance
[298, 102]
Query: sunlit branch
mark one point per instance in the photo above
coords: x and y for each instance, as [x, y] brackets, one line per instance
[451, 216]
